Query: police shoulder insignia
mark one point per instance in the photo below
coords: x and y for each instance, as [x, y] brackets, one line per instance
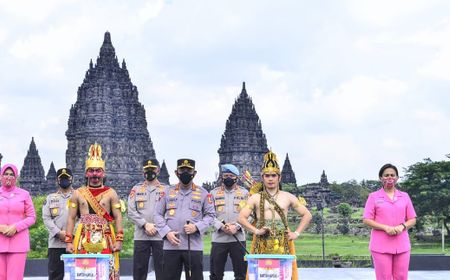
[210, 201]
[132, 193]
[161, 195]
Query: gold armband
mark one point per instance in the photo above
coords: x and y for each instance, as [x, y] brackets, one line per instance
[248, 206]
[73, 204]
[120, 205]
[301, 201]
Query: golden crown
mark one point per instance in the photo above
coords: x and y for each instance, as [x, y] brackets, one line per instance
[270, 163]
[95, 157]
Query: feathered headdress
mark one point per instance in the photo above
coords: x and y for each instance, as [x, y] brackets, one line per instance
[95, 157]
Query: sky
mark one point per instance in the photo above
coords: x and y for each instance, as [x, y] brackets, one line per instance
[342, 86]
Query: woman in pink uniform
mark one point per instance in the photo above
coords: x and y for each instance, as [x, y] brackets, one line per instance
[390, 213]
[16, 216]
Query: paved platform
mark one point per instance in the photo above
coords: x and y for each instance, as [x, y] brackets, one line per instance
[325, 274]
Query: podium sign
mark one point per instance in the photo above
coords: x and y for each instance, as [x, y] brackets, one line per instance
[270, 267]
[86, 266]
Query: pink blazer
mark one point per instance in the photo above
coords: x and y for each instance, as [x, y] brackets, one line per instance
[380, 208]
[16, 208]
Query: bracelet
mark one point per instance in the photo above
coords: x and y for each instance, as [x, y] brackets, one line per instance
[403, 224]
[69, 238]
[119, 237]
[297, 233]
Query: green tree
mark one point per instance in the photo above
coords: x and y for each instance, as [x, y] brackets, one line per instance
[292, 188]
[428, 184]
[38, 231]
[344, 210]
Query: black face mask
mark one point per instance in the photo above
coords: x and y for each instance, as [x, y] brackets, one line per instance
[150, 175]
[185, 177]
[228, 182]
[65, 183]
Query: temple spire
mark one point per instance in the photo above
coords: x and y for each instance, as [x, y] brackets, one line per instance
[50, 184]
[243, 142]
[32, 176]
[164, 174]
[287, 174]
[107, 53]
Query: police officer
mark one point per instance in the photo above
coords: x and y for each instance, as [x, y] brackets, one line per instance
[54, 214]
[182, 216]
[229, 198]
[141, 205]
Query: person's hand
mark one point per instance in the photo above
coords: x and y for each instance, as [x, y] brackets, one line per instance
[390, 230]
[292, 235]
[150, 229]
[189, 228]
[10, 230]
[69, 248]
[117, 246]
[2, 229]
[172, 236]
[262, 231]
[225, 229]
[232, 229]
[399, 229]
[62, 235]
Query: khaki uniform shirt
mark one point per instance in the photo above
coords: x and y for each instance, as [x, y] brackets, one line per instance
[228, 204]
[141, 208]
[179, 205]
[54, 214]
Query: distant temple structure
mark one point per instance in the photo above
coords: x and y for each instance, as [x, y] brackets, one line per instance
[50, 184]
[287, 174]
[107, 111]
[316, 193]
[164, 174]
[32, 176]
[243, 143]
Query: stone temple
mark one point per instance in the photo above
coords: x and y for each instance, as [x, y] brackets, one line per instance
[32, 176]
[287, 174]
[243, 143]
[108, 111]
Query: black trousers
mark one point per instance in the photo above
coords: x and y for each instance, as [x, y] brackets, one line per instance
[174, 260]
[141, 255]
[55, 264]
[219, 255]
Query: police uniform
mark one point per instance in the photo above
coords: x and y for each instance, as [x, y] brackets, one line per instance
[141, 206]
[173, 210]
[228, 204]
[54, 215]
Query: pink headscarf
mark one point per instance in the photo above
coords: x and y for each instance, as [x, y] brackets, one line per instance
[14, 169]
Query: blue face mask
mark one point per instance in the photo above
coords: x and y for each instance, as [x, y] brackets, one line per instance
[65, 183]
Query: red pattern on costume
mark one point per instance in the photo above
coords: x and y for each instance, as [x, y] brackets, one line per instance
[97, 191]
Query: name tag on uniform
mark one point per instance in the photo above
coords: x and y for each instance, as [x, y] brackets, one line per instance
[141, 196]
[379, 200]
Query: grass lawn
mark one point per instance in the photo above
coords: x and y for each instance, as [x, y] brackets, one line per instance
[309, 246]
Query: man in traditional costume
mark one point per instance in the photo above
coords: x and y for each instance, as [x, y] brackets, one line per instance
[98, 207]
[269, 206]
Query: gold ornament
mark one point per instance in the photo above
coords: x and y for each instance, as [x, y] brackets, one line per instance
[95, 157]
[270, 163]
